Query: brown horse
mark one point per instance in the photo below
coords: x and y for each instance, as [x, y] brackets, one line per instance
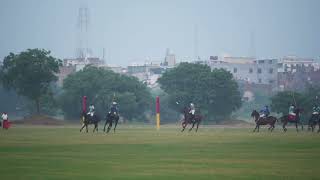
[285, 120]
[189, 119]
[88, 119]
[313, 121]
[263, 121]
[110, 118]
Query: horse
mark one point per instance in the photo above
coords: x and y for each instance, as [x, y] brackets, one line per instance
[313, 121]
[263, 121]
[109, 119]
[88, 119]
[286, 118]
[188, 119]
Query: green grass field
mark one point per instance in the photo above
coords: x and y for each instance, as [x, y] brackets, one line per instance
[141, 152]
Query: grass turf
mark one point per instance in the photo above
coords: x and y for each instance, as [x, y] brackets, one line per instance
[141, 152]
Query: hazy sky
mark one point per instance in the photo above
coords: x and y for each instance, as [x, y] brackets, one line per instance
[132, 30]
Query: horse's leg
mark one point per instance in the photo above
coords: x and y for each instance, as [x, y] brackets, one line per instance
[110, 125]
[192, 126]
[272, 126]
[255, 128]
[115, 125]
[184, 125]
[311, 126]
[284, 126]
[319, 126]
[82, 127]
[269, 129]
[87, 128]
[105, 124]
[297, 126]
[197, 126]
[95, 127]
[258, 127]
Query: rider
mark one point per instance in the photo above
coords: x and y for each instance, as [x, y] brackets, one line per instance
[91, 109]
[192, 110]
[114, 108]
[315, 110]
[265, 111]
[292, 113]
[4, 117]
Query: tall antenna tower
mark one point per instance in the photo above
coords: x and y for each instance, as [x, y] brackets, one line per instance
[83, 50]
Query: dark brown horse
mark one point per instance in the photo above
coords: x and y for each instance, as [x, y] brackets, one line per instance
[286, 119]
[263, 121]
[110, 118]
[189, 119]
[313, 121]
[88, 119]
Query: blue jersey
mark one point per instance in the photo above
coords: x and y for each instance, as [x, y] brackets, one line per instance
[114, 109]
[265, 111]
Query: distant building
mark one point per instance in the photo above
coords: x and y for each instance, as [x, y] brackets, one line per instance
[170, 59]
[292, 63]
[72, 65]
[251, 70]
[147, 73]
[80, 63]
[64, 72]
[114, 68]
[298, 80]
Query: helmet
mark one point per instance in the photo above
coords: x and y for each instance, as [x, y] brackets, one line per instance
[114, 103]
[191, 104]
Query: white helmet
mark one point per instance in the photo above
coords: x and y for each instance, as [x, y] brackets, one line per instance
[114, 103]
[191, 104]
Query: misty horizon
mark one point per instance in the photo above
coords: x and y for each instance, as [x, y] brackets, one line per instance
[132, 31]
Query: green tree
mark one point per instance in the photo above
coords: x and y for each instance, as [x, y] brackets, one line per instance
[30, 73]
[305, 100]
[100, 86]
[168, 114]
[215, 92]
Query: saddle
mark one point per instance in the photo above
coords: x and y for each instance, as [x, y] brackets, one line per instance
[112, 115]
[291, 117]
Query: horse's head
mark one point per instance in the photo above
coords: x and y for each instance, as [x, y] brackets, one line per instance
[185, 110]
[254, 114]
[298, 111]
[83, 114]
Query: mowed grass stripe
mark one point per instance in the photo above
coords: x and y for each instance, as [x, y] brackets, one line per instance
[141, 152]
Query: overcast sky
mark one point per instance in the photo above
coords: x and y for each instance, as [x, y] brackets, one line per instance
[132, 30]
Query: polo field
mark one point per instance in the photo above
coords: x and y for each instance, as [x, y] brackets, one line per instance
[142, 152]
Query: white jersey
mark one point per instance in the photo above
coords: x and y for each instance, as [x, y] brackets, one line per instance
[4, 116]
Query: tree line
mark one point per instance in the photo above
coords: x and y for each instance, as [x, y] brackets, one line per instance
[28, 80]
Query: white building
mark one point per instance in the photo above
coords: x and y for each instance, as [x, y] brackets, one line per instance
[80, 63]
[263, 71]
[170, 59]
[291, 63]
